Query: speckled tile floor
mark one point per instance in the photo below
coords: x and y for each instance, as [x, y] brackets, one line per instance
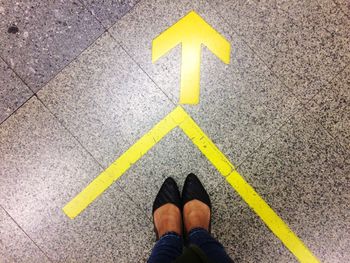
[78, 88]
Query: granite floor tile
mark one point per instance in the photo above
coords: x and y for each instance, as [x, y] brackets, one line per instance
[39, 38]
[42, 169]
[109, 11]
[324, 14]
[303, 175]
[333, 108]
[13, 92]
[240, 103]
[305, 56]
[15, 245]
[122, 231]
[175, 156]
[105, 100]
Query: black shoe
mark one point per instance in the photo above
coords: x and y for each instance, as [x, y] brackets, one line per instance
[168, 193]
[193, 189]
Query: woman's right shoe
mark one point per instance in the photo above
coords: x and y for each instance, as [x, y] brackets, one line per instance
[194, 190]
[168, 193]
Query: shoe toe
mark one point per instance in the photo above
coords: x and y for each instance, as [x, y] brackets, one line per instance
[193, 189]
[168, 193]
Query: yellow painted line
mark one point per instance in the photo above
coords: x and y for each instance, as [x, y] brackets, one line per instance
[206, 146]
[122, 164]
[270, 218]
[179, 118]
[191, 31]
[248, 194]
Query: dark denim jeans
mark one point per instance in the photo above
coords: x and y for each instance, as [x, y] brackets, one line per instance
[169, 247]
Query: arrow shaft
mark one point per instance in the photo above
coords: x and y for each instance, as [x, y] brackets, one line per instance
[190, 72]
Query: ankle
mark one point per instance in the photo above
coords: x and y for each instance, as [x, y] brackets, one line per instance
[167, 219]
[196, 219]
[196, 214]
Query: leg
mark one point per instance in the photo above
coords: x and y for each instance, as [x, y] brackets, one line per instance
[197, 216]
[167, 248]
[209, 245]
[167, 224]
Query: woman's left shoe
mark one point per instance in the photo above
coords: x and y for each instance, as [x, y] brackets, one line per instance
[168, 193]
[194, 190]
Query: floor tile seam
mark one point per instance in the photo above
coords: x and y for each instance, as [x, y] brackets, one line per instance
[20, 106]
[23, 82]
[290, 90]
[144, 71]
[335, 139]
[107, 28]
[329, 82]
[137, 204]
[26, 234]
[264, 142]
[270, 136]
[74, 59]
[16, 74]
[275, 74]
[92, 42]
[322, 27]
[320, 123]
[48, 81]
[256, 150]
[86, 151]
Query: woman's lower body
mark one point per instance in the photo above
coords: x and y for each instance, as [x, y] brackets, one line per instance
[170, 247]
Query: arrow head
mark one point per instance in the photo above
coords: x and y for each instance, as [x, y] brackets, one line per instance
[191, 31]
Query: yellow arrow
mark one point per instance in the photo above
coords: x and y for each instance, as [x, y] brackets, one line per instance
[191, 31]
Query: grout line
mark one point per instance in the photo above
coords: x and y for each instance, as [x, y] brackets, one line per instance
[303, 107]
[289, 118]
[68, 64]
[25, 84]
[280, 79]
[303, 104]
[88, 152]
[144, 71]
[119, 17]
[329, 82]
[20, 106]
[273, 133]
[72, 61]
[17, 75]
[53, 76]
[254, 52]
[126, 51]
[8, 214]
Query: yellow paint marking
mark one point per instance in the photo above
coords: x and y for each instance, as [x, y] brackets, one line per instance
[191, 31]
[206, 146]
[179, 118]
[248, 194]
[122, 164]
[270, 218]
